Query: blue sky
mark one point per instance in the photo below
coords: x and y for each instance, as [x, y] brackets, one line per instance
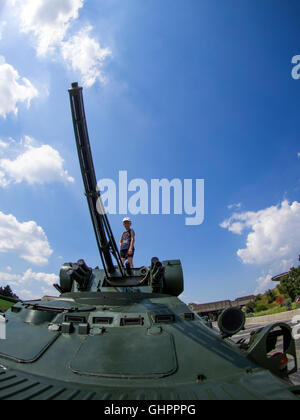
[197, 89]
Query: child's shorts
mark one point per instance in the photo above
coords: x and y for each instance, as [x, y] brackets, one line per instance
[124, 253]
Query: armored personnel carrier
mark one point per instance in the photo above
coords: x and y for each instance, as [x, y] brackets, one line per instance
[121, 333]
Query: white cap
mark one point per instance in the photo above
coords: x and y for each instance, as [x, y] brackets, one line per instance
[126, 219]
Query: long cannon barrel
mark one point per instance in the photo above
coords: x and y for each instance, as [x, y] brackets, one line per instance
[105, 240]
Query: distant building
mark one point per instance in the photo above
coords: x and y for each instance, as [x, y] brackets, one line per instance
[279, 277]
[213, 309]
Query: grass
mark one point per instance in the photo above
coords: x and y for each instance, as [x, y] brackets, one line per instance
[275, 310]
[5, 305]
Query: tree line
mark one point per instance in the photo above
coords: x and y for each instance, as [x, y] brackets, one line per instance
[287, 292]
[7, 292]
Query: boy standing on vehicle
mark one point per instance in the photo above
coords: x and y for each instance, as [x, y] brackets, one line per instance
[127, 242]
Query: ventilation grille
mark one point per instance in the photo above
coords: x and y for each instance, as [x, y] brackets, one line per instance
[75, 319]
[159, 319]
[131, 321]
[103, 320]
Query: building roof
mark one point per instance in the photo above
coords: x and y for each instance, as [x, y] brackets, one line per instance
[220, 305]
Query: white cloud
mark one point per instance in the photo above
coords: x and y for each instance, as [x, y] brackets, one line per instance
[34, 164]
[234, 206]
[27, 240]
[3, 180]
[263, 283]
[29, 276]
[3, 144]
[13, 89]
[47, 20]
[3, 147]
[7, 278]
[48, 24]
[86, 56]
[25, 294]
[273, 240]
[274, 236]
[30, 285]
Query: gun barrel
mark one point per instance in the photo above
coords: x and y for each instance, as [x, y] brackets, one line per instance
[100, 221]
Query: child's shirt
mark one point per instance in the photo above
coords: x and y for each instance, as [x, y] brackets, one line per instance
[126, 239]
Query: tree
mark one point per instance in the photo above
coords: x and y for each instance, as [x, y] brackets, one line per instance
[250, 307]
[7, 292]
[290, 284]
[271, 296]
[260, 307]
[280, 300]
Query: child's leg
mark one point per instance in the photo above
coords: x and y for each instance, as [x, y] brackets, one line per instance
[130, 260]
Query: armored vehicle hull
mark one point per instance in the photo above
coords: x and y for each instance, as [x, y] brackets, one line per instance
[134, 345]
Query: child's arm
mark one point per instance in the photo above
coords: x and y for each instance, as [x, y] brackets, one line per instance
[132, 240]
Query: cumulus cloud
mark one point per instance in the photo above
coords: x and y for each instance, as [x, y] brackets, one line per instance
[273, 240]
[274, 235]
[14, 89]
[47, 279]
[26, 239]
[30, 285]
[34, 164]
[47, 20]
[85, 55]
